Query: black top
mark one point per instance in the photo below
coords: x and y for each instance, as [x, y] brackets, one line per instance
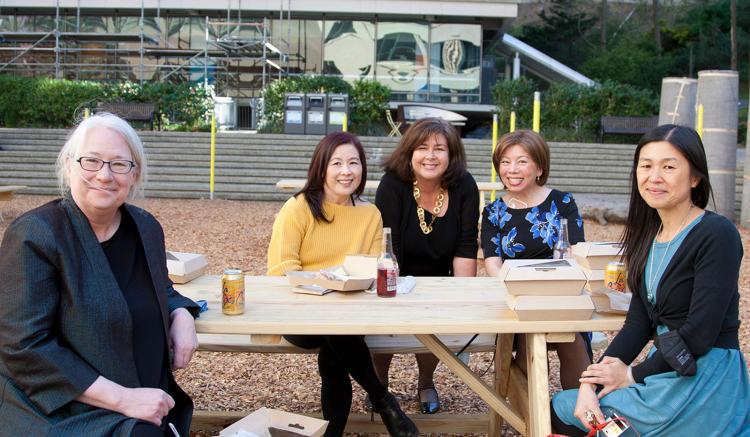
[697, 297]
[453, 235]
[529, 233]
[127, 260]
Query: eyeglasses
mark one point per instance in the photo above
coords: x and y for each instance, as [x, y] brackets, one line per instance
[120, 166]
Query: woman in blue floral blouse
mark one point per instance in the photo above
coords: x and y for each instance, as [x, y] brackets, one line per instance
[524, 224]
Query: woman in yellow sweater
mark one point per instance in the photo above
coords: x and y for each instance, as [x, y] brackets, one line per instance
[316, 229]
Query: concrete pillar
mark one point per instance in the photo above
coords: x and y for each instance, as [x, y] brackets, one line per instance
[745, 216]
[677, 103]
[718, 91]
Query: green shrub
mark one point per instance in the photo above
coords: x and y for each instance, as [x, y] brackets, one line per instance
[368, 103]
[514, 95]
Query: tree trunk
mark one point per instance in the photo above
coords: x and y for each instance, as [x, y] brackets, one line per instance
[603, 28]
[733, 32]
[657, 26]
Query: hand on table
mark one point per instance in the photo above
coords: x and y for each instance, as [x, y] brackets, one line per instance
[611, 373]
[183, 336]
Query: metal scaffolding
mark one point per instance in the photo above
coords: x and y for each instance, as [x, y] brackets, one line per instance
[239, 55]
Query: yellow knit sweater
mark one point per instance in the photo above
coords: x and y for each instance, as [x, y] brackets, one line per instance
[298, 242]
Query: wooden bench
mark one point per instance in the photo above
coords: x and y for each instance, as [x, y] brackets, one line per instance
[626, 125]
[6, 193]
[131, 111]
[391, 344]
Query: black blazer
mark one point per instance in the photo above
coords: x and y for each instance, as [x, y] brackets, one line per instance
[64, 322]
[697, 296]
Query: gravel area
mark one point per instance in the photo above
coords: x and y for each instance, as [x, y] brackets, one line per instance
[236, 234]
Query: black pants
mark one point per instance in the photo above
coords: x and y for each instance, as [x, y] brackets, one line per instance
[339, 357]
[144, 429]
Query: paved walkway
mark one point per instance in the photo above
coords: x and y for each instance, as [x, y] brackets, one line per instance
[606, 208]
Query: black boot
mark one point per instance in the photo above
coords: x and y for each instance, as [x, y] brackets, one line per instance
[395, 421]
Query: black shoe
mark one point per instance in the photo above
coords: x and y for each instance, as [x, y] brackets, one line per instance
[369, 406]
[395, 421]
[428, 407]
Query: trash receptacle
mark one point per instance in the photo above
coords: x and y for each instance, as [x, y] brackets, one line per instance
[315, 121]
[294, 113]
[338, 107]
[225, 111]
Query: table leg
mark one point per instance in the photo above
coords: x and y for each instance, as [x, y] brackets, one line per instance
[495, 402]
[538, 374]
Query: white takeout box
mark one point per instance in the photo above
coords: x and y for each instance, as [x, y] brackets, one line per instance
[542, 277]
[594, 279]
[348, 283]
[596, 255]
[260, 420]
[364, 266]
[610, 301]
[184, 267]
[536, 308]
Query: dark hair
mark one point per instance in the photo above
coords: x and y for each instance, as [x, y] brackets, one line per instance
[532, 143]
[643, 221]
[399, 162]
[316, 173]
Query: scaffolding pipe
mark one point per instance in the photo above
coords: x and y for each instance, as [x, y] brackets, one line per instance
[57, 40]
[718, 92]
[29, 49]
[141, 48]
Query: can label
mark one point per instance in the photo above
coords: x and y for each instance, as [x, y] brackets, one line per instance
[233, 292]
[615, 276]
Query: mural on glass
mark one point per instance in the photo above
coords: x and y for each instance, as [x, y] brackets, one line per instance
[402, 57]
[455, 51]
[348, 49]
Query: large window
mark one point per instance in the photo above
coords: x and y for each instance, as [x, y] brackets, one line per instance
[455, 60]
[301, 40]
[349, 49]
[402, 59]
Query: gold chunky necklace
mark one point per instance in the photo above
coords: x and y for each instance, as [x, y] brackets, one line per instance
[426, 229]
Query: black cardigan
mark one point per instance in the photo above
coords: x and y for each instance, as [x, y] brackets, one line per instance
[697, 296]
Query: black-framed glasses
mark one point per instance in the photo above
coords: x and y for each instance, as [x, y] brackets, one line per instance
[120, 166]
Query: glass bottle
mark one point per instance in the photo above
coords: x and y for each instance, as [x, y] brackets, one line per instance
[387, 267]
[562, 246]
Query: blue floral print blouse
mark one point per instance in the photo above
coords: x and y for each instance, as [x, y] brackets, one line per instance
[529, 233]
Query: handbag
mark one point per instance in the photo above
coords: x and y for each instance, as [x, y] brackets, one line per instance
[676, 353]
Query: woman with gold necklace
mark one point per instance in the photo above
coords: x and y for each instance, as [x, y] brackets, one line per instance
[431, 203]
[684, 264]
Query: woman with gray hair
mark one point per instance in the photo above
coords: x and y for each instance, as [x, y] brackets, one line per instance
[90, 325]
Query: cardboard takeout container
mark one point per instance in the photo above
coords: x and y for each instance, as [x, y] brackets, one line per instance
[346, 283]
[184, 267]
[536, 308]
[594, 279]
[542, 277]
[596, 255]
[259, 421]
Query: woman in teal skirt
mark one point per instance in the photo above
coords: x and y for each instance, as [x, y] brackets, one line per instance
[694, 381]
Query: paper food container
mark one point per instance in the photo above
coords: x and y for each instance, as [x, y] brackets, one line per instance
[594, 279]
[536, 308]
[184, 267]
[610, 301]
[258, 422]
[363, 266]
[542, 277]
[345, 283]
[596, 255]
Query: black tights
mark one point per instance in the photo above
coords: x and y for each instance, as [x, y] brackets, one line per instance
[339, 357]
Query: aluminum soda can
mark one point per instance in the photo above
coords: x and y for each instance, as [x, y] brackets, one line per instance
[615, 276]
[233, 292]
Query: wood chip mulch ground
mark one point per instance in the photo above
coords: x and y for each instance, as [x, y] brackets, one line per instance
[236, 234]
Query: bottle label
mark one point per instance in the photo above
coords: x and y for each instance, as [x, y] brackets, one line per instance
[387, 281]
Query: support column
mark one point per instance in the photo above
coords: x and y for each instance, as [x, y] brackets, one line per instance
[677, 103]
[718, 91]
[745, 216]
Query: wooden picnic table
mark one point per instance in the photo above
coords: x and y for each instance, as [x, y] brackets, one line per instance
[443, 305]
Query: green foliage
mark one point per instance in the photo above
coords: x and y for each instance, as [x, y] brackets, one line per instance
[272, 117]
[369, 101]
[44, 102]
[569, 111]
[635, 63]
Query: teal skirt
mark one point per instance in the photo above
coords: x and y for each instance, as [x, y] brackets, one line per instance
[714, 402]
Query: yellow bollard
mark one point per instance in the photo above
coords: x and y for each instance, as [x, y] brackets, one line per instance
[537, 110]
[493, 174]
[512, 121]
[86, 113]
[345, 124]
[213, 157]
[699, 121]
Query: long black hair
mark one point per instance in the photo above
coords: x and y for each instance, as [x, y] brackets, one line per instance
[316, 173]
[643, 221]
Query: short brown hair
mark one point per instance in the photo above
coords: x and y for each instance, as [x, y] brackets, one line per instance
[399, 162]
[532, 143]
[316, 173]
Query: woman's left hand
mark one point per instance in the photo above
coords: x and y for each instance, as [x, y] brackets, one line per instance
[610, 372]
[183, 336]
